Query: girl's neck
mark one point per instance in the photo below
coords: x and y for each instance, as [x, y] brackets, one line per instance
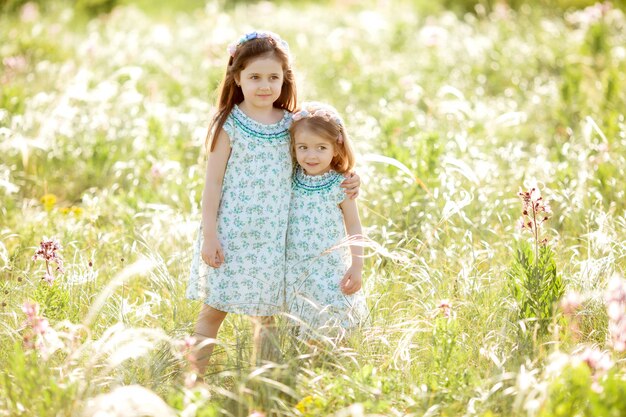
[265, 115]
[319, 174]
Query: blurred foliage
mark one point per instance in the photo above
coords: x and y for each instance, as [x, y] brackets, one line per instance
[482, 6]
[110, 115]
[581, 390]
[96, 7]
[26, 376]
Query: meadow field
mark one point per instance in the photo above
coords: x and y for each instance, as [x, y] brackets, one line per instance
[465, 124]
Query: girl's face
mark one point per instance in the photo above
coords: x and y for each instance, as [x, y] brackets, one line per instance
[261, 81]
[314, 153]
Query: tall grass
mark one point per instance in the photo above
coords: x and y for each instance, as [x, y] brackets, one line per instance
[101, 133]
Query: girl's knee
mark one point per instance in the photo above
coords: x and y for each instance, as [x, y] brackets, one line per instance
[263, 321]
[211, 315]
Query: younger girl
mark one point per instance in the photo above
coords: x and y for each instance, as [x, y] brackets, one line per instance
[323, 276]
[245, 202]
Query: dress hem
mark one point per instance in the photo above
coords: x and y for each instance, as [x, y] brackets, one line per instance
[236, 309]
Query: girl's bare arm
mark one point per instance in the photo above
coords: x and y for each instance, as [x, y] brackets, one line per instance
[212, 252]
[352, 280]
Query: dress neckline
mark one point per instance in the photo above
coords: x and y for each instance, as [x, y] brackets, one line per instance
[315, 182]
[249, 120]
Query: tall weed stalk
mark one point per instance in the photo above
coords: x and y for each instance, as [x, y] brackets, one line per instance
[533, 279]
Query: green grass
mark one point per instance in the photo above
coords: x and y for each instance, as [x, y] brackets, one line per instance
[110, 116]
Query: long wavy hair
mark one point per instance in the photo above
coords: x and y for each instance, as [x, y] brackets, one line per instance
[230, 93]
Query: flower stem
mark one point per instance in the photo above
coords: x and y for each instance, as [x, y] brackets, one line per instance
[536, 235]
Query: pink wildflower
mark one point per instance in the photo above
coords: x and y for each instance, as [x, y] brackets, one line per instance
[38, 334]
[40, 326]
[571, 303]
[49, 278]
[502, 11]
[445, 307]
[38, 323]
[616, 310]
[29, 12]
[156, 171]
[16, 63]
[599, 362]
[185, 348]
[48, 252]
[189, 342]
[31, 309]
[535, 211]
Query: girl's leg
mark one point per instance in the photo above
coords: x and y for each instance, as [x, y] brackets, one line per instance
[265, 339]
[207, 326]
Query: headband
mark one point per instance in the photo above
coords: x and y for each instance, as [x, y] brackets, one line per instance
[323, 111]
[257, 34]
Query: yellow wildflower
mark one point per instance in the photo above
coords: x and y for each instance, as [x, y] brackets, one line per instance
[48, 201]
[304, 403]
[77, 211]
[310, 405]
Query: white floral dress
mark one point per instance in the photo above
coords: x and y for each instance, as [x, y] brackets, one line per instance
[251, 222]
[318, 257]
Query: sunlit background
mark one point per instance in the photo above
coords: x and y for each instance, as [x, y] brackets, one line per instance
[454, 107]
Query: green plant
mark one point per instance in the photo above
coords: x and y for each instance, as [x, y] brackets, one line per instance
[31, 387]
[583, 389]
[109, 115]
[533, 279]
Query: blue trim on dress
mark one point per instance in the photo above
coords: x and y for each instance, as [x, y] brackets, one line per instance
[315, 183]
[271, 132]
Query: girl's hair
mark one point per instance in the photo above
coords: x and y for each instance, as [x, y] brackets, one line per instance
[231, 94]
[324, 121]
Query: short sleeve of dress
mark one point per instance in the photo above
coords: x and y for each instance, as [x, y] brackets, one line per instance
[337, 194]
[288, 121]
[229, 127]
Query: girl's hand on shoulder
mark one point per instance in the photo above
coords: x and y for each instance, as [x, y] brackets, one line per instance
[351, 281]
[351, 185]
[212, 253]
